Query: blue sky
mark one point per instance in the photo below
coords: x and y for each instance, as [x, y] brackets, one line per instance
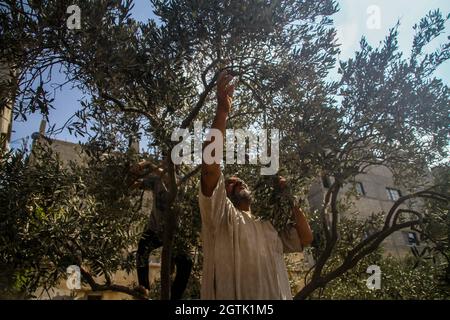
[351, 22]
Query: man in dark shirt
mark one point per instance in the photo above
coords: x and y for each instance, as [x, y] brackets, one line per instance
[152, 237]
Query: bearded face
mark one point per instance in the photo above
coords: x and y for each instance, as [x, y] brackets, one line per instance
[238, 191]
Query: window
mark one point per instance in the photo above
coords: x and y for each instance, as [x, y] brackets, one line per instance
[393, 194]
[360, 189]
[411, 238]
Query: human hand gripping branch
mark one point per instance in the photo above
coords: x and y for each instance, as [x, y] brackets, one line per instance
[141, 170]
[301, 223]
[210, 173]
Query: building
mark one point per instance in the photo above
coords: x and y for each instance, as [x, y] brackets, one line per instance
[6, 107]
[67, 151]
[376, 192]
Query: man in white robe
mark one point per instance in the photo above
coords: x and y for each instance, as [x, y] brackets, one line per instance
[242, 255]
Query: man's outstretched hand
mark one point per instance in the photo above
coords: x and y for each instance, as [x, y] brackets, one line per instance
[225, 91]
[211, 172]
[283, 187]
[141, 170]
[301, 223]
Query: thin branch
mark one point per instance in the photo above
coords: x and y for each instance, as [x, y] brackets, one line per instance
[201, 101]
[111, 287]
[330, 235]
[189, 175]
[368, 245]
[123, 108]
[421, 194]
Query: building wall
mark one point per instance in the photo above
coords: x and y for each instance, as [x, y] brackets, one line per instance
[5, 111]
[376, 199]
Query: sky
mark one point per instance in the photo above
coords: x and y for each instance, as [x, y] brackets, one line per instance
[356, 18]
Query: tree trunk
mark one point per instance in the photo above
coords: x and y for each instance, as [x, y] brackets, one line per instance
[166, 256]
[307, 290]
[170, 222]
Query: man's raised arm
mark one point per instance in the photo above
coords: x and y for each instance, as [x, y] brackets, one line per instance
[211, 172]
[301, 223]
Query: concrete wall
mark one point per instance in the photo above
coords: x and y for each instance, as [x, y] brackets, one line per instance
[5, 111]
[376, 199]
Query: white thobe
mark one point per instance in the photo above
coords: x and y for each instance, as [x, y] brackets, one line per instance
[242, 255]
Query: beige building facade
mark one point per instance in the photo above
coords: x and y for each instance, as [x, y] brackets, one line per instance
[376, 193]
[6, 107]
